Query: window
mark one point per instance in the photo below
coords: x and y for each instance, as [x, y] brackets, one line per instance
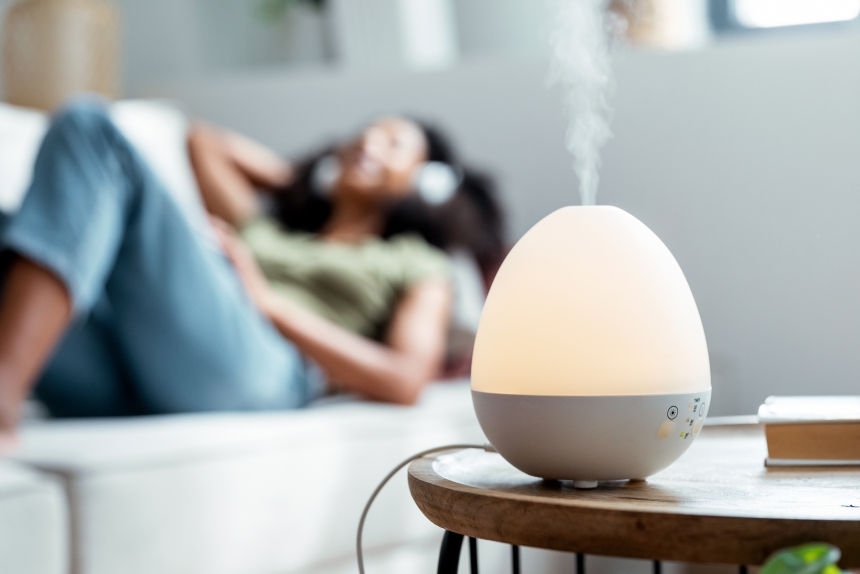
[761, 14]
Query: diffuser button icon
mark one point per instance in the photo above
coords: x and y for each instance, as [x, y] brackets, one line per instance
[672, 413]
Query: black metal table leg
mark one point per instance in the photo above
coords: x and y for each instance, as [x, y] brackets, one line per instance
[449, 555]
[452, 543]
[473, 555]
[742, 569]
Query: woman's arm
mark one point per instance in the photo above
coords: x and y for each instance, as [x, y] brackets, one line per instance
[395, 372]
[229, 168]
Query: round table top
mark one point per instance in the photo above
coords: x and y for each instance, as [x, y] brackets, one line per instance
[718, 503]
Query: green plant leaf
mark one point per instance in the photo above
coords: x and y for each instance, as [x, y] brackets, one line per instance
[814, 558]
[273, 10]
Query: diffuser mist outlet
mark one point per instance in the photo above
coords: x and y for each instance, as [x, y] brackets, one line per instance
[590, 360]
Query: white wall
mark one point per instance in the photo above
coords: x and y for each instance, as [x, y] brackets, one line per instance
[743, 157]
[164, 40]
[510, 28]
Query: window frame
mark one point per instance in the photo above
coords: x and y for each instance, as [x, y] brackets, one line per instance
[723, 21]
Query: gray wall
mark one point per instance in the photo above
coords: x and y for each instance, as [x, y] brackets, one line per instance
[743, 157]
[165, 40]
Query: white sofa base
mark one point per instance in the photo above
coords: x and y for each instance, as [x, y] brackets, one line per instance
[33, 522]
[260, 493]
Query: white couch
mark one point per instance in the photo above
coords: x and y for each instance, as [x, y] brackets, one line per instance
[33, 522]
[213, 493]
[240, 493]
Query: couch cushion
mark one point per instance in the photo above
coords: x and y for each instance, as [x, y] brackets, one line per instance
[156, 128]
[21, 132]
[33, 522]
[243, 493]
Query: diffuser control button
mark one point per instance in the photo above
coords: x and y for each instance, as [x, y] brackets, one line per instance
[666, 429]
[672, 413]
[697, 426]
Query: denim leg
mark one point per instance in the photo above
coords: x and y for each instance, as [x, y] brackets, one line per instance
[86, 377]
[184, 327]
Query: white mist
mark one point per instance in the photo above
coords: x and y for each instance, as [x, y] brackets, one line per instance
[581, 40]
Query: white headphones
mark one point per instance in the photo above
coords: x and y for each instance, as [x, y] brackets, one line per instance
[325, 174]
[436, 182]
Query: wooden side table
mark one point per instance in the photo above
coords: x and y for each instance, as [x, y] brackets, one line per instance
[717, 504]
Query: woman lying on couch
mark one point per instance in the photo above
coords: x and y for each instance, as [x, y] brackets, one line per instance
[113, 304]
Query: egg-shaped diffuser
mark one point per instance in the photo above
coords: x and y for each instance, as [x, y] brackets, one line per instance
[590, 361]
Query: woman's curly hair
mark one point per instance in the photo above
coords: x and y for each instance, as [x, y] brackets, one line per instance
[471, 220]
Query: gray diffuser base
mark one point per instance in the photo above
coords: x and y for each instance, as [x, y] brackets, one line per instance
[591, 438]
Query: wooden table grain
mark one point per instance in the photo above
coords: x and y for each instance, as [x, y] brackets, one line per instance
[717, 504]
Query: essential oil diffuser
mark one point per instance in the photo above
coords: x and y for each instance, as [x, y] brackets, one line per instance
[590, 360]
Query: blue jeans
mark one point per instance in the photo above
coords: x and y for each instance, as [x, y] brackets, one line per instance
[162, 323]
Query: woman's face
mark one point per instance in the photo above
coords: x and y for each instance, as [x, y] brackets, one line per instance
[380, 163]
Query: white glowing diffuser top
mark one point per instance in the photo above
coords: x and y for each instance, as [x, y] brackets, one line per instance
[590, 302]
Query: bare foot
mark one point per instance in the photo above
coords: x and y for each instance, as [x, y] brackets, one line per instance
[34, 312]
[8, 441]
[11, 404]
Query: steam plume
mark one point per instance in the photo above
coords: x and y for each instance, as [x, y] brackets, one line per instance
[581, 42]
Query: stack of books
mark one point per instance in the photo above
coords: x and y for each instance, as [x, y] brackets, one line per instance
[812, 431]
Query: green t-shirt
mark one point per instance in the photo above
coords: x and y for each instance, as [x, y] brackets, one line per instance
[356, 286]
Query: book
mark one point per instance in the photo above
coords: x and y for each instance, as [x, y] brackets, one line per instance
[812, 431]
